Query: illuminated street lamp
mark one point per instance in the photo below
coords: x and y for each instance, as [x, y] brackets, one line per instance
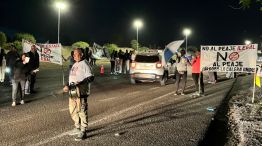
[186, 32]
[60, 6]
[137, 24]
[247, 42]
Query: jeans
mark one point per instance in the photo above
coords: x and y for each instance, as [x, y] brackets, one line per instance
[181, 79]
[196, 79]
[15, 87]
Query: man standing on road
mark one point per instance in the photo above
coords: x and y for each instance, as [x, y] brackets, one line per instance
[80, 76]
[33, 65]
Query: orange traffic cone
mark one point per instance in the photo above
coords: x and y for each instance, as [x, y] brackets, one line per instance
[102, 70]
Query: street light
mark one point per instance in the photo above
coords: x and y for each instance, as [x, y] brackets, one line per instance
[186, 32]
[60, 6]
[247, 42]
[137, 24]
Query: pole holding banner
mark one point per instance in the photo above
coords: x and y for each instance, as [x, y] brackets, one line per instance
[254, 88]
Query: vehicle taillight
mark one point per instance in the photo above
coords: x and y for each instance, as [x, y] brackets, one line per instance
[158, 65]
[133, 64]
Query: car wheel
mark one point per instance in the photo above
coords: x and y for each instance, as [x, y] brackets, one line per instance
[163, 80]
[132, 81]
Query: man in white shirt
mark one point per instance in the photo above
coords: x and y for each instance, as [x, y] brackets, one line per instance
[81, 76]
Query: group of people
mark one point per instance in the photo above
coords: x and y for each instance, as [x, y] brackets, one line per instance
[120, 61]
[182, 64]
[21, 70]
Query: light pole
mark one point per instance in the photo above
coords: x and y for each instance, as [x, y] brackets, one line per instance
[186, 32]
[137, 24]
[59, 6]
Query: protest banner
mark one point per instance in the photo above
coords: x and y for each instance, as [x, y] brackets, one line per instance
[47, 52]
[231, 58]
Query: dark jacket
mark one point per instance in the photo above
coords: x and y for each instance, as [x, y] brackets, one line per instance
[34, 60]
[11, 57]
[21, 71]
[1, 58]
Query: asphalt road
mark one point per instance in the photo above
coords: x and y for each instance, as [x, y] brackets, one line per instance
[119, 113]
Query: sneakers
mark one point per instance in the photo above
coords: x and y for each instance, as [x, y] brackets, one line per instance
[81, 136]
[22, 102]
[13, 103]
[75, 131]
[182, 93]
[27, 93]
[212, 82]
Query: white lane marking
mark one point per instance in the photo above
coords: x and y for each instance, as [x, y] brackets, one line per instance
[116, 114]
[52, 138]
[154, 88]
[108, 99]
[64, 109]
[135, 92]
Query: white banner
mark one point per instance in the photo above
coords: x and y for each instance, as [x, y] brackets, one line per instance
[232, 58]
[47, 52]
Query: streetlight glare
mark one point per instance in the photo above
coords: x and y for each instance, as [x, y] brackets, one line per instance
[138, 23]
[187, 32]
[61, 5]
[247, 42]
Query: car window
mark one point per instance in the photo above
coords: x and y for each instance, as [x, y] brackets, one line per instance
[150, 59]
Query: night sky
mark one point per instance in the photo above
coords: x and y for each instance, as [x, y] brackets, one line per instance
[110, 21]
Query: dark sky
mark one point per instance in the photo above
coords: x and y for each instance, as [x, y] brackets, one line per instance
[110, 21]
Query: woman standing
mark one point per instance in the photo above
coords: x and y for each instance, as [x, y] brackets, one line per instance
[197, 75]
[181, 72]
[21, 71]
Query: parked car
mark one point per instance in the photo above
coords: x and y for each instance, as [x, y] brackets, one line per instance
[147, 67]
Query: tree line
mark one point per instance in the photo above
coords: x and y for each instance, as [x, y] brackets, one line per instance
[17, 42]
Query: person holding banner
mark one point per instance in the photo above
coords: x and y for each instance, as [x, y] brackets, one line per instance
[33, 66]
[181, 72]
[80, 77]
[197, 75]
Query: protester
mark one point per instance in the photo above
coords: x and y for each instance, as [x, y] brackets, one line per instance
[2, 65]
[181, 72]
[212, 77]
[71, 60]
[112, 62]
[81, 76]
[33, 66]
[20, 73]
[121, 58]
[11, 57]
[126, 62]
[197, 75]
